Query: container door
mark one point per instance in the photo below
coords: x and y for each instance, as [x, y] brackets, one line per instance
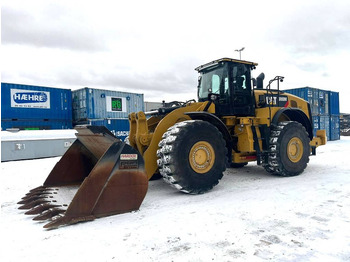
[334, 103]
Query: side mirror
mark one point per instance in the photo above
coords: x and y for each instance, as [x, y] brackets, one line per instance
[260, 81]
[199, 81]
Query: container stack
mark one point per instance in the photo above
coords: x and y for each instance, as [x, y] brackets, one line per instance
[324, 109]
[27, 107]
[106, 108]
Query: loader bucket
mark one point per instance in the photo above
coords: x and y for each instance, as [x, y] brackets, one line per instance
[99, 175]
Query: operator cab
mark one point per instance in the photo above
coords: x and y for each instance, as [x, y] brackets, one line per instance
[228, 81]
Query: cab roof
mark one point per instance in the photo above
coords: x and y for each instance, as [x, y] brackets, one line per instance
[225, 59]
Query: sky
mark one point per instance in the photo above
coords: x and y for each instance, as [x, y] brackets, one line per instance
[152, 47]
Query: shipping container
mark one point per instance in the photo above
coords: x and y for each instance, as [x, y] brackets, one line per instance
[320, 100]
[35, 107]
[97, 104]
[119, 127]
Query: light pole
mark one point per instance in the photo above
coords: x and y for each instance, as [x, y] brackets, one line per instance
[239, 50]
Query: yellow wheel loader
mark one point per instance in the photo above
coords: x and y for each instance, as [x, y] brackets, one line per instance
[235, 121]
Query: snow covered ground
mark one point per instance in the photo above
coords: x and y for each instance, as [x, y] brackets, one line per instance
[249, 216]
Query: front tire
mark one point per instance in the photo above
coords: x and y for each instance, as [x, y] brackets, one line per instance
[289, 149]
[192, 156]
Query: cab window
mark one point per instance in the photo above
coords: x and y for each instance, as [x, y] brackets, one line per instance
[214, 80]
[240, 74]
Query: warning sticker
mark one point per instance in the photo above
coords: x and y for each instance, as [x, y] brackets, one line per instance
[128, 157]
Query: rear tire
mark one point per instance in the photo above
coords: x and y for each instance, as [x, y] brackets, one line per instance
[192, 156]
[289, 149]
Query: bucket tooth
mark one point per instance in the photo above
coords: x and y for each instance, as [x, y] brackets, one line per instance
[40, 208]
[37, 193]
[33, 203]
[57, 221]
[31, 199]
[60, 220]
[39, 188]
[50, 213]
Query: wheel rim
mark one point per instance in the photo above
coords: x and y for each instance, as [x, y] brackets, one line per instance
[295, 149]
[202, 157]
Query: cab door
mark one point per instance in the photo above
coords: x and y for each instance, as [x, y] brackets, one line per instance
[242, 101]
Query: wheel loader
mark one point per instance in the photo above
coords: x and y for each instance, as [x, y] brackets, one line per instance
[190, 144]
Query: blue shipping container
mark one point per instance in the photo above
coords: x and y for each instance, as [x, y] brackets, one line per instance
[317, 98]
[29, 104]
[119, 127]
[322, 102]
[97, 104]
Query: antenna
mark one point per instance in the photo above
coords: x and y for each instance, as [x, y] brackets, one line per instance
[240, 50]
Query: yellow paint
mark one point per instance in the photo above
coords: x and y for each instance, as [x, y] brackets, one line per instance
[293, 100]
[201, 157]
[243, 131]
[295, 149]
[245, 138]
[320, 138]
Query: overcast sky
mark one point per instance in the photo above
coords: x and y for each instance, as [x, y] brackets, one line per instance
[152, 47]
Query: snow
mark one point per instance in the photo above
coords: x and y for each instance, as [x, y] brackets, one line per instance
[250, 216]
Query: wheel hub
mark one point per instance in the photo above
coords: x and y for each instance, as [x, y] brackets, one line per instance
[295, 149]
[202, 157]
